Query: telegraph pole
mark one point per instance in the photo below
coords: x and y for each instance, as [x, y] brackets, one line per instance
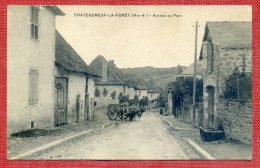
[194, 77]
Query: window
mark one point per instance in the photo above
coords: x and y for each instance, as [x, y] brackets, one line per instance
[34, 22]
[33, 87]
[124, 89]
[139, 93]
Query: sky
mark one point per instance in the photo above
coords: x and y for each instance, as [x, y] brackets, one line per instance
[142, 41]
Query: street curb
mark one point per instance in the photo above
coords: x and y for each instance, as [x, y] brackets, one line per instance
[107, 125]
[166, 121]
[199, 150]
[50, 145]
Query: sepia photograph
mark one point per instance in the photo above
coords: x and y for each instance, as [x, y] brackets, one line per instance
[104, 82]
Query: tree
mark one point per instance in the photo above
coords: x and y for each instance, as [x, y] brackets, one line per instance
[144, 102]
[113, 95]
[104, 92]
[97, 92]
[136, 100]
[182, 88]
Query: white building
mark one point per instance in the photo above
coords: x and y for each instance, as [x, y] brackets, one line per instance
[141, 91]
[74, 85]
[30, 66]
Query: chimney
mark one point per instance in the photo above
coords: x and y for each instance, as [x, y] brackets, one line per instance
[104, 70]
[112, 62]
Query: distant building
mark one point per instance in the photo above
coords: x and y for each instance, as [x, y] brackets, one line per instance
[189, 71]
[226, 45]
[30, 66]
[153, 96]
[140, 91]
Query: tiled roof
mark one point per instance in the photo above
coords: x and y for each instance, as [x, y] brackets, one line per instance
[141, 87]
[190, 69]
[153, 91]
[230, 34]
[112, 72]
[68, 58]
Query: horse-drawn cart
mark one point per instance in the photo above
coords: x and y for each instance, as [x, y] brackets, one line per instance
[123, 112]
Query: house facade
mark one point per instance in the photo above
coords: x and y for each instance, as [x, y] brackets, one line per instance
[30, 66]
[74, 85]
[226, 46]
[141, 91]
[110, 86]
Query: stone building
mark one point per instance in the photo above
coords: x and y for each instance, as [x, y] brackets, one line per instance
[111, 85]
[225, 46]
[74, 85]
[30, 66]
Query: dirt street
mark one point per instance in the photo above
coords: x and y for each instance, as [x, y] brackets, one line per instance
[146, 138]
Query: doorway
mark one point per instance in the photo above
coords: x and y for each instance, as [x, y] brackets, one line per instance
[211, 106]
[60, 104]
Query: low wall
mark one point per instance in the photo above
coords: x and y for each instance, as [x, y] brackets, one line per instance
[236, 119]
[188, 113]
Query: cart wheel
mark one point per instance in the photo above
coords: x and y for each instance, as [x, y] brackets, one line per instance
[112, 112]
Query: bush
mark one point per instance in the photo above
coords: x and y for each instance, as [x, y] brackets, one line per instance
[123, 99]
[136, 100]
[144, 102]
[238, 85]
[183, 88]
[104, 92]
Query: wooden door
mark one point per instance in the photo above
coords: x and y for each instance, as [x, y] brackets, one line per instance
[211, 106]
[77, 108]
[60, 105]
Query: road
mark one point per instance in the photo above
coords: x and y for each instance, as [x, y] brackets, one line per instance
[147, 138]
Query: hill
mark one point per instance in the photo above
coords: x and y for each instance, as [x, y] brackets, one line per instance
[153, 77]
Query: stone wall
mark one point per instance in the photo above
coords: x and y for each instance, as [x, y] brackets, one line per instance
[236, 119]
[105, 100]
[187, 114]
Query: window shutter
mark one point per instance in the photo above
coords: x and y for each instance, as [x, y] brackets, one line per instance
[36, 16]
[36, 31]
[32, 14]
[34, 22]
